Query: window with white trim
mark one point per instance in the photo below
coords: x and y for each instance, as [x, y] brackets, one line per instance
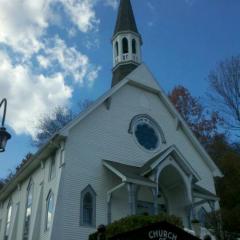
[88, 207]
[49, 210]
[116, 49]
[8, 220]
[28, 211]
[52, 170]
[125, 45]
[146, 132]
[134, 46]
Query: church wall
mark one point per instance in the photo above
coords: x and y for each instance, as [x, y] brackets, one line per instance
[39, 176]
[103, 134]
[145, 77]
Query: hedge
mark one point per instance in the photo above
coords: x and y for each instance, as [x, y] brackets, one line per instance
[134, 222]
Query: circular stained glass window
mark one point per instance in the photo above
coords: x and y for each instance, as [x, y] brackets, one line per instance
[146, 134]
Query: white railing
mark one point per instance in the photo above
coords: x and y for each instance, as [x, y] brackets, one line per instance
[117, 60]
[135, 58]
[125, 57]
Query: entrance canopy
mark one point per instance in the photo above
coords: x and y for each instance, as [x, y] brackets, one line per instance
[144, 175]
[168, 175]
[129, 173]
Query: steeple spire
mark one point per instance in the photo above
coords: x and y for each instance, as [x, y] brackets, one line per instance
[126, 43]
[125, 19]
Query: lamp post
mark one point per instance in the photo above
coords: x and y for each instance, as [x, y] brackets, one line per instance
[4, 135]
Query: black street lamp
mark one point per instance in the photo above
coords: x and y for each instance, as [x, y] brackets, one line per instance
[4, 135]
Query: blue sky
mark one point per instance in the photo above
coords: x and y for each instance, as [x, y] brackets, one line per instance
[58, 52]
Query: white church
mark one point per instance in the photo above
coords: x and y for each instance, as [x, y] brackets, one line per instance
[129, 153]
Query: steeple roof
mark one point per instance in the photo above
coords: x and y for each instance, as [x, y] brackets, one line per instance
[125, 20]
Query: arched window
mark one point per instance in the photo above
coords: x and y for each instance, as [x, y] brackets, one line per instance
[49, 210]
[88, 207]
[8, 221]
[28, 211]
[116, 49]
[125, 45]
[134, 48]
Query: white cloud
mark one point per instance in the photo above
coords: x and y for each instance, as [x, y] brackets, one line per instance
[29, 95]
[112, 3]
[150, 6]
[72, 32]
[24, 28]
[22, 23]
[92, 75]
[92, 43]
[43, 61]
[82, 14]
[70, 61]
[190, 2]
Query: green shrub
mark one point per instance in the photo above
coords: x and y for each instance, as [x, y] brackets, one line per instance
[135, 222]
[195, 221]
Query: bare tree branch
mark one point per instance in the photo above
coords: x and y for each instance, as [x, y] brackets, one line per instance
[225, 94]
[53, 122]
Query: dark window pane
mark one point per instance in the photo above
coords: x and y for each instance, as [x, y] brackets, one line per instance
[125, 45]
[87, 209]
[146, 136]
[52, 168]
[116, 48]
[134, 50]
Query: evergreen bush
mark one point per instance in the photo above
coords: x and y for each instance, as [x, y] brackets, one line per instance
[134, 222]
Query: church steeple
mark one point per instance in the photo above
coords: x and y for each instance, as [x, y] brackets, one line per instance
[125, 19]
[126, 43]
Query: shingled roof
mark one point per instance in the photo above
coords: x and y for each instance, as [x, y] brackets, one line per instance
[125, 19]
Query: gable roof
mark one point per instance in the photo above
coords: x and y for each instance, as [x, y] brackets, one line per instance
[136, 79]
[200, 192]
[128, 173]
[176, 154]
[148, 166]
[133, 174]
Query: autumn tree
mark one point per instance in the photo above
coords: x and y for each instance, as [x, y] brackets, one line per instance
[202, 122]
[225, 154]
[225, 91]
